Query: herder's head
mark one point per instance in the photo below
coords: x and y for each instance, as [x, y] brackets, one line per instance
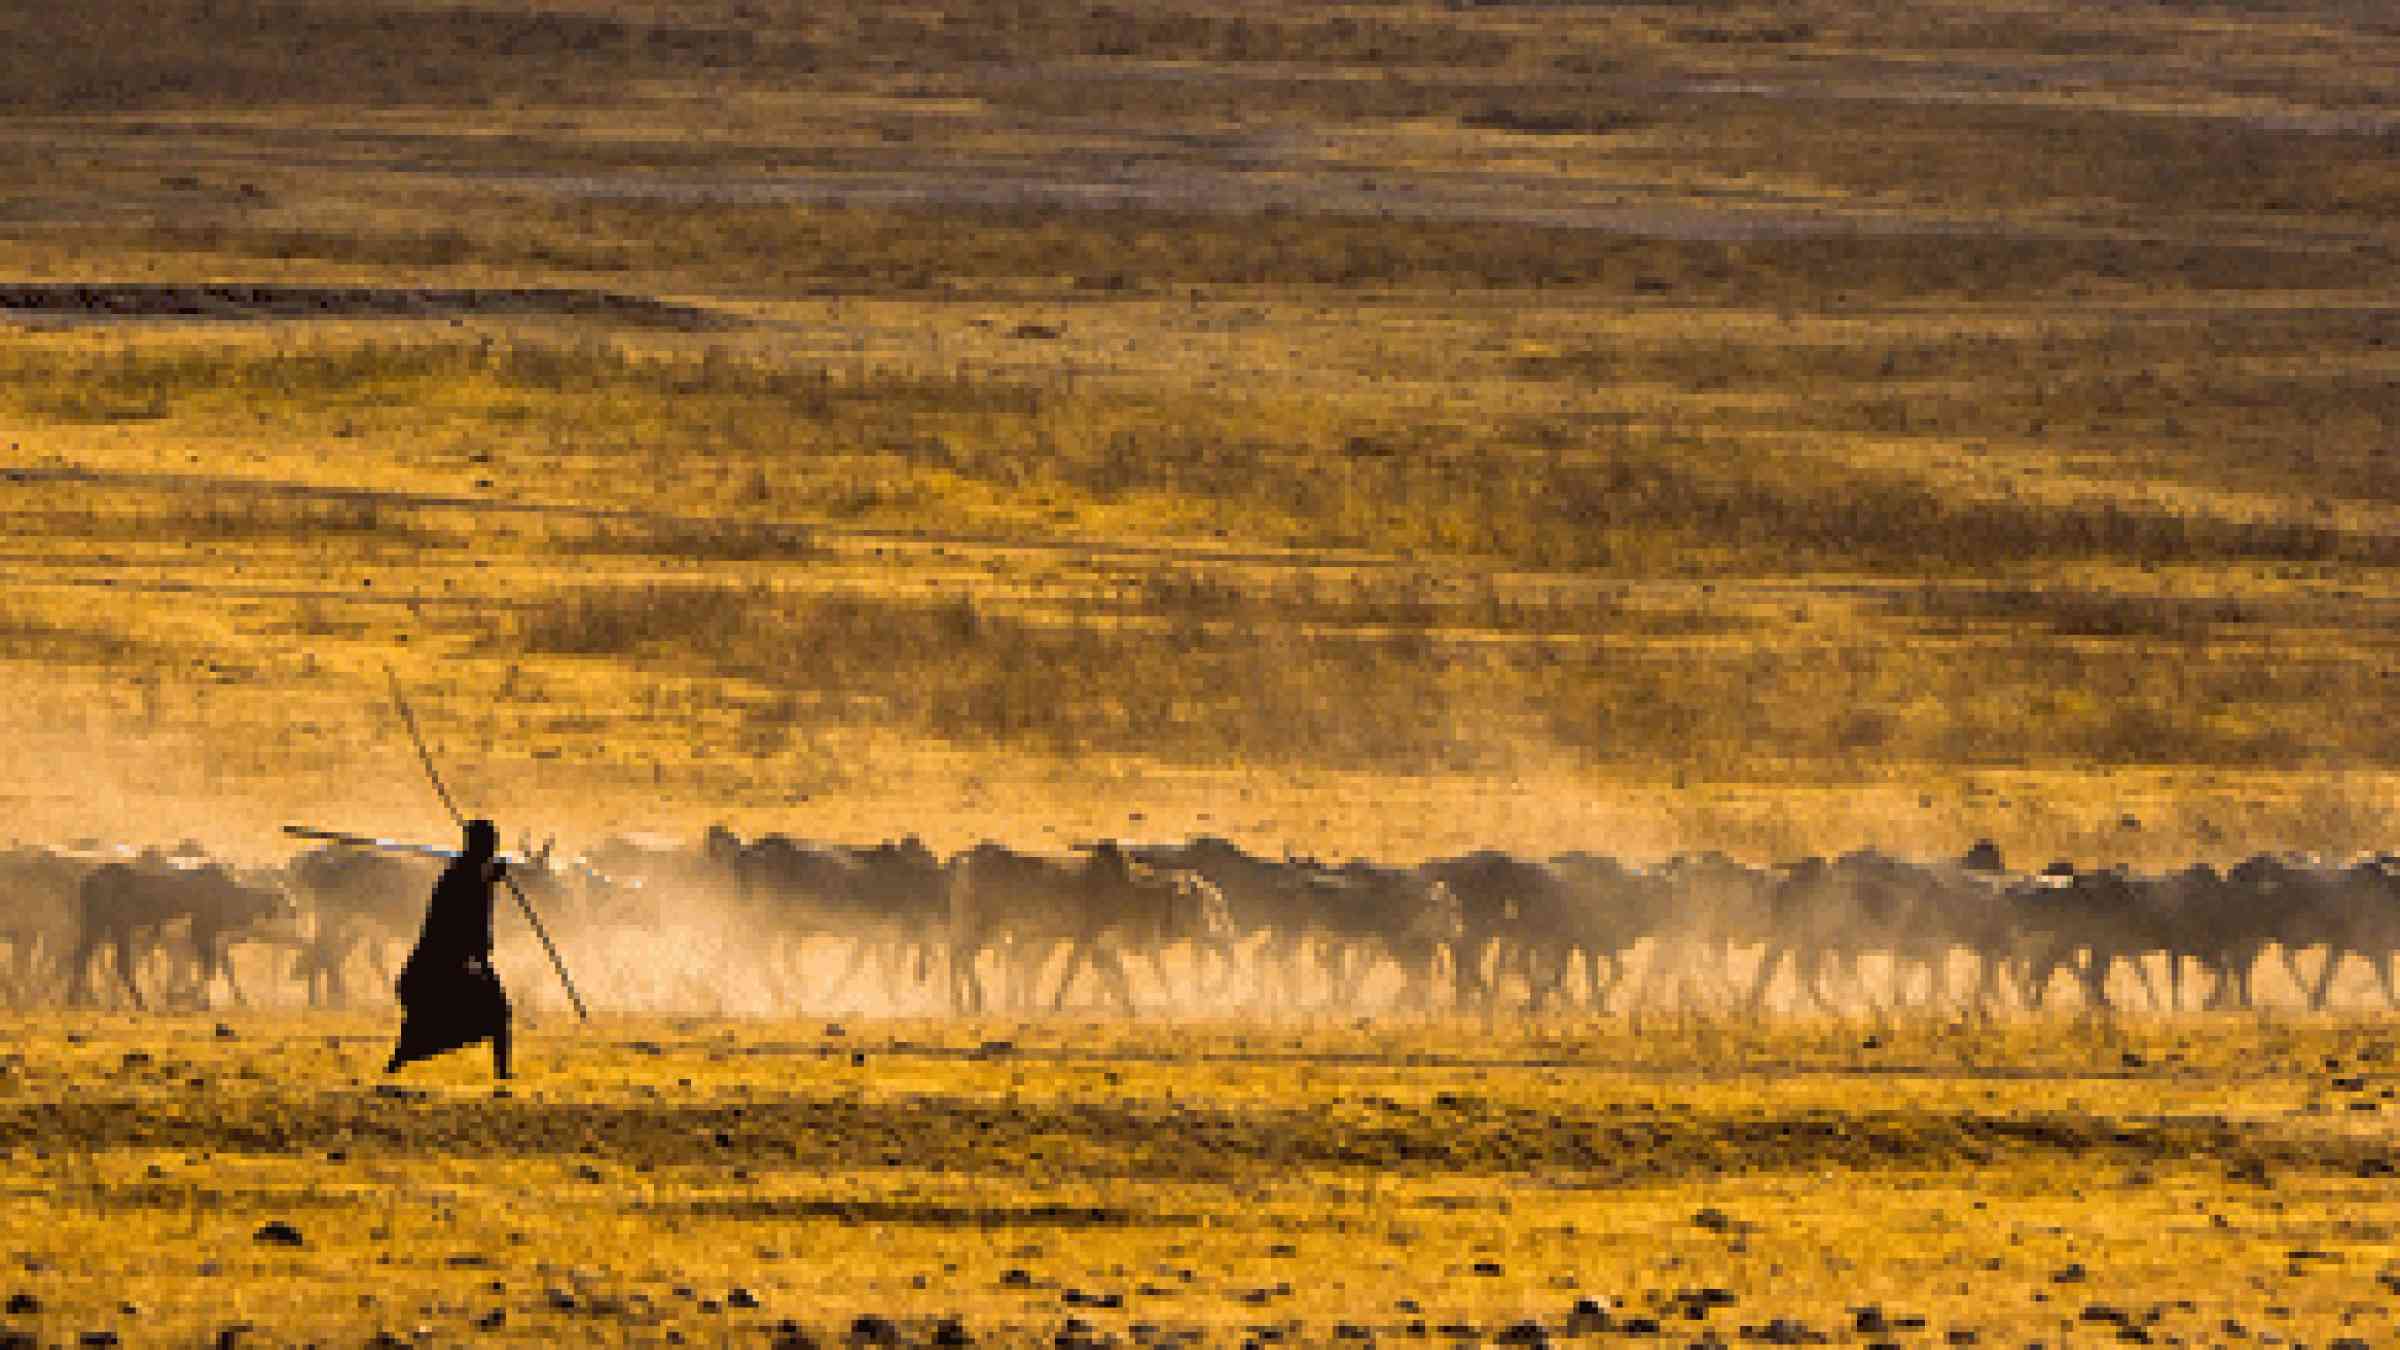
[483, 839]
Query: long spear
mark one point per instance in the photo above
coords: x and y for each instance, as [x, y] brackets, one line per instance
[458, 817]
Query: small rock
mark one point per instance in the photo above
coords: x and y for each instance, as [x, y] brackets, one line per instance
[1486, 1268]
[2072, 1273]
[277, 1233]
[97, 1338]
[739, 1297]
[871, 1329]
[493, 1320]
[23, 1305]
[224, 1032]
[559, 1300]
[951, 1331]
[1714, 1220]
[1523, 1333]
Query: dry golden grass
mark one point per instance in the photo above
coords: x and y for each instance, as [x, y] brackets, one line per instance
[2028, 1182]
[1389, 430]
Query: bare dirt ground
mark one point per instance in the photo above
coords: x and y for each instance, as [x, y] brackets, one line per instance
[172, 1180]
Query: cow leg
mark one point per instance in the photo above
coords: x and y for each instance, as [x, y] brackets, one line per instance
[1110, 962]
[124, 948]
[2320, 990]
[79, 975]
[1079, 954]
[220, 949]
[966, 994]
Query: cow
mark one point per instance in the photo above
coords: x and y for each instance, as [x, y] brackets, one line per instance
[125, 905]
[1543, 921]
[1343, 918]
[889, 902]
[364, 904]
[1825, 918]
[1100, 906]
[37, 917]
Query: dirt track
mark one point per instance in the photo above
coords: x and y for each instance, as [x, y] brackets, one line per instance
[191, 300]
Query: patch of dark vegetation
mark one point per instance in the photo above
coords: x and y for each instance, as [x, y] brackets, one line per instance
[923, 1214]
[1554, 119]
[186, 53]
[1585, 1146]
[903, 249]
[2079, 612]
[26, 636]
[222, 300]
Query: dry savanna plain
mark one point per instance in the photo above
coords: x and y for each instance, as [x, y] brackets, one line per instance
[1364, 429]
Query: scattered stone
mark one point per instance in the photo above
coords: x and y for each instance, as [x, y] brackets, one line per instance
[1716, 1220]
[789, 1335]
[95, 1338]
[1869, 1321]
[1486, 1268]
[870, 1329]
[23, 1304]
[558, 1299]
[230, 1335]
[224, 1032]
[2072, 1273]
[1014, 1278]
[277, 1233]
[1523, 1333]
[740, 1297]
[1961, 1336]
[951, 1331]
[493, 1320]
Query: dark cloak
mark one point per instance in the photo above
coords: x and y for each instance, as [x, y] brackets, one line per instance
[449, 994]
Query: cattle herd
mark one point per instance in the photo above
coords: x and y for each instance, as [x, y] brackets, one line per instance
[1203, 926]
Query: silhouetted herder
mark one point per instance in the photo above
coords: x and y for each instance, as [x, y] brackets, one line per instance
[449, 994]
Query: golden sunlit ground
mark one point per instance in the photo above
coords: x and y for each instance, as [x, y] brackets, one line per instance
[1390, 429]
[2208, 1182]
[1382, 430]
